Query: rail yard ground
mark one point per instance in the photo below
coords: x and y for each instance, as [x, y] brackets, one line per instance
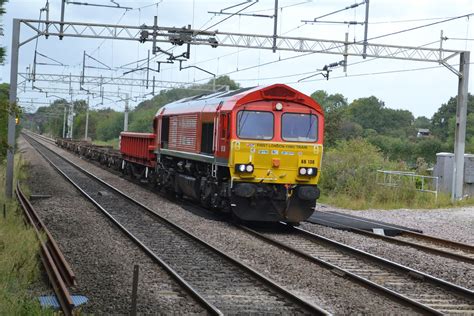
[103, 258]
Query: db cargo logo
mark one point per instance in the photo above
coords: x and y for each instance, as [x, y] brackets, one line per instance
[186, 141]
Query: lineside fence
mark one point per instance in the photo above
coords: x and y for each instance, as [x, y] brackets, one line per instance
[421, 183]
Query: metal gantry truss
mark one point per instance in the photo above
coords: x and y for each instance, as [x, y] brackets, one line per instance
[180, 36]
[188, 36]
[115, 81]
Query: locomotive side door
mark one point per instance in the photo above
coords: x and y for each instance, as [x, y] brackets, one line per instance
[223, 135]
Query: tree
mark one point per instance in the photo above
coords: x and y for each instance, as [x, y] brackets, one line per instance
[2, 49]
[397, 122]
[110, 124]
[225, 81]
[4, 104]
[370, 113]
[142, 121]
[440, 120]
[427, 148]
[4, 111]
[333, 106]
[452, 126]
[422, 122]
[49, 119]
[367, 112]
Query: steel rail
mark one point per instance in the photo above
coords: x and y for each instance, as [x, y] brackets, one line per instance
[48, 139]
[314, 309]
[339, 269]
[459, 251]
[57, 269]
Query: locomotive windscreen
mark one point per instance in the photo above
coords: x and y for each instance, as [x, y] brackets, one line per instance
[255, 125]
[298, 127]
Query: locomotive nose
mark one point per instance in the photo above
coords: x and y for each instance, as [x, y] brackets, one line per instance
[276, 163]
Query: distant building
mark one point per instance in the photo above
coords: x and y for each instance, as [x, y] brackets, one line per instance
[423, 132]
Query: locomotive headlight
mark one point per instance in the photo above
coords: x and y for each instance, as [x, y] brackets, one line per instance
[308, 171]
[278, 106]
[244, 168]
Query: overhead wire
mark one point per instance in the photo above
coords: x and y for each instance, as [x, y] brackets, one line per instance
[225, 19]
[282, 7]
[239, 50]
[306, 54]
[357, 42]
[375, 73]
[310, 72]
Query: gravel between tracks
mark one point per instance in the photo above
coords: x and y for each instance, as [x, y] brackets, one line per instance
[101, 257]
[318, 285]
[453, 224]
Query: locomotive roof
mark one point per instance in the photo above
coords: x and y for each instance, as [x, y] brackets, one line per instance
[235, 98]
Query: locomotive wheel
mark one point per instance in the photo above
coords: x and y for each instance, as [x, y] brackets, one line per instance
[152, 183]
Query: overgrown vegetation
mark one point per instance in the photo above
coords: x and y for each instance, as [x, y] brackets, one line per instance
[349, 180]
[19, 264]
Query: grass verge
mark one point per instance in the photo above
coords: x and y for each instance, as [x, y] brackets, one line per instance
[19, 262]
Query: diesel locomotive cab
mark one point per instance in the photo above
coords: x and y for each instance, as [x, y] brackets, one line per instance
[275, 159]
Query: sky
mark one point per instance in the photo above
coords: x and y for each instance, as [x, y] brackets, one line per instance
[420, 87]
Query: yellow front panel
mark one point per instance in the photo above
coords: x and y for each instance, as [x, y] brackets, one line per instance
[275, 162]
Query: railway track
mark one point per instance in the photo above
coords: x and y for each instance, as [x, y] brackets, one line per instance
[58, 270]
[427, 243]
[220, 283]
[420, 290]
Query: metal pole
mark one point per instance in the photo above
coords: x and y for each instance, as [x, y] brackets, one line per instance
[47, 19]
[346, 40]
[460, 133]
[366, 28]
[64, 119]
[61, 27]
[275, 26]
[15, 50]
[147, 69]
[81, 81]
[155, 28]
[133, 310]
[71, 119]
[87, 119]
[125, 117]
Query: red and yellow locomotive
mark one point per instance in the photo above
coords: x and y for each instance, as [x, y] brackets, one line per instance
[254, 152]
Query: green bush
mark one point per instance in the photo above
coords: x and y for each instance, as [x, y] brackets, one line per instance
[349, 179]
[350, 168]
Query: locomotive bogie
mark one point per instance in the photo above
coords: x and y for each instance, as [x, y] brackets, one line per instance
[274, 202]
